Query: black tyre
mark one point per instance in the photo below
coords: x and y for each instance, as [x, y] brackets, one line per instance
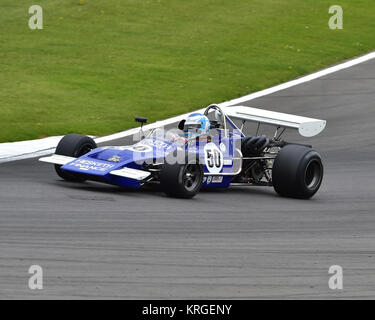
[297, 172]
[181, 180]
[254, 146]
[73, 145]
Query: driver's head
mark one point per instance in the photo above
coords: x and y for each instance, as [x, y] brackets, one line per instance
[196, 125]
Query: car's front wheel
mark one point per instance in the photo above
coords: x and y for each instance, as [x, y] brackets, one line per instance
[181, 180]
[73, 145]
[297, 172]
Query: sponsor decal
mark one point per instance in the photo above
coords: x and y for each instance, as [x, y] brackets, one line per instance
[217, 179]
[87, 165]
[209, 179]
[228, 162]
[115, 159]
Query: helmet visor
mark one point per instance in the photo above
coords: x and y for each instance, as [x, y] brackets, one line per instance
[192, 126]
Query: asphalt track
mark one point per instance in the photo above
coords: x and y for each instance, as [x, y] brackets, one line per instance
[99, 241]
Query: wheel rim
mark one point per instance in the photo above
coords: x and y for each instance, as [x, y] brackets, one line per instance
[191, 177]
[313, 174]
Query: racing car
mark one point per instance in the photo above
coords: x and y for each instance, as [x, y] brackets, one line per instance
[205, 150]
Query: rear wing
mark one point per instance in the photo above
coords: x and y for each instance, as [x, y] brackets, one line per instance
[307, 127]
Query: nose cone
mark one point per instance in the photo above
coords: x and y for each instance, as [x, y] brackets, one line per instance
[146, 150]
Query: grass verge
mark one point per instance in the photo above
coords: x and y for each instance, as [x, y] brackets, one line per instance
[98, 64]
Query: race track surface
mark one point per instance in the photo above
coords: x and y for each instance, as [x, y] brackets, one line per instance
[99, 241]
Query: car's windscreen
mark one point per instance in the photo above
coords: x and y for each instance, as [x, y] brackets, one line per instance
[172, 135]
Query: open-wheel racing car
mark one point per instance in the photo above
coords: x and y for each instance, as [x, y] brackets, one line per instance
[202, 153]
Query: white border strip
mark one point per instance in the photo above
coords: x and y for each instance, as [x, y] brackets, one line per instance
[13, 148]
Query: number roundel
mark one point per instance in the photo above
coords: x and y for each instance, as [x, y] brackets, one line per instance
[213, 158]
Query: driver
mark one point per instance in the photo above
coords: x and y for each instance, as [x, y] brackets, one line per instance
[196, 125]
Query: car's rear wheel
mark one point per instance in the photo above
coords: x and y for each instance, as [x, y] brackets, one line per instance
[181, 180]
[297, 172]
[73, 145]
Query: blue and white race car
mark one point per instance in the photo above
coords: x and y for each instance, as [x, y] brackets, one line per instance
[202, 153]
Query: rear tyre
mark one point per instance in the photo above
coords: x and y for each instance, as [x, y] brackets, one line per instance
[73, 145]
[181, 180]
[297, 172]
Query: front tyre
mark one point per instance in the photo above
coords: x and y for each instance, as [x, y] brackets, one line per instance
[181, 180]
[73, 145]
[297, 172]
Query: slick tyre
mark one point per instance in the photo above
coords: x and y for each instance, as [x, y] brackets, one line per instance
[297, 172]
[181, 180]
[73, 145]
